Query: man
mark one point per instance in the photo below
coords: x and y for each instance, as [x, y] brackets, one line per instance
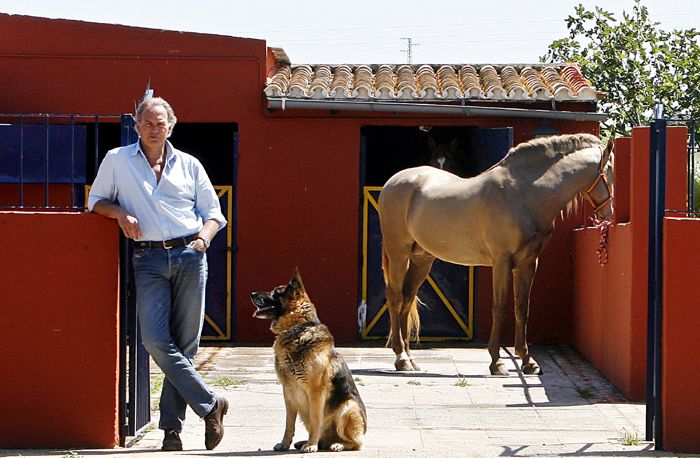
[162, 199]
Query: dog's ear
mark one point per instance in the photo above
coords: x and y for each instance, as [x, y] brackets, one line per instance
[295, 282]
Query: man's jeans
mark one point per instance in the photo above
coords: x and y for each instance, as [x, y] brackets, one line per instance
[170, 288]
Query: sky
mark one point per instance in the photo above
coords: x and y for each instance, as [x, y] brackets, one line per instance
[361, 31]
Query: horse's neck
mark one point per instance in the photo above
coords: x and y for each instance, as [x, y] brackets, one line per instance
[552, 190]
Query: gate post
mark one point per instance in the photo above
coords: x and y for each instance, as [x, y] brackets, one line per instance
[657, 203]
[135, 403]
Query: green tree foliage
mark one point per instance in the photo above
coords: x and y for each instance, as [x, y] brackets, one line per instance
[634, 62]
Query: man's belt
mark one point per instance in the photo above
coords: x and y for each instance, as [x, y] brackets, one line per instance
[167, 244]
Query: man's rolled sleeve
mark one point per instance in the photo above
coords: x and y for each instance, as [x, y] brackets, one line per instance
[104, 186]
[207, 202]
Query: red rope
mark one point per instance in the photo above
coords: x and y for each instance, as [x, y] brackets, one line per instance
[602, 251]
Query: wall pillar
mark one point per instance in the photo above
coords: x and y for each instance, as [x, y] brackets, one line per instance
[59, 330]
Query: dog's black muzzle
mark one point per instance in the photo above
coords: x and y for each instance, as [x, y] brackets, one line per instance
[266, 307]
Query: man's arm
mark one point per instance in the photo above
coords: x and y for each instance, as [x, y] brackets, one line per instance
[208, 231]
[103, 193]
[128, 223]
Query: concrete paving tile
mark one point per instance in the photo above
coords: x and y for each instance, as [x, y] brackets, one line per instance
[449, 418]
[388, 417]
[394, 436]
[520, 438]
[440, 395]
[437, 438]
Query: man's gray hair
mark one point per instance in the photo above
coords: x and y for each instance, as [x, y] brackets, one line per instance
[157, 102]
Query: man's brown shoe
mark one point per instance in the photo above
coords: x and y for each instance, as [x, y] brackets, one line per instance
[214, 423]
[171, 441]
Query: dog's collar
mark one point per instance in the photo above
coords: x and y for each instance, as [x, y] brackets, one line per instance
[298, 329]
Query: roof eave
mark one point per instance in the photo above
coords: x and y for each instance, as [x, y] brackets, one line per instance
[284, 103]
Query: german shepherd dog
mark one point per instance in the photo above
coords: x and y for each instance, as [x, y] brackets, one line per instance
[315, 379]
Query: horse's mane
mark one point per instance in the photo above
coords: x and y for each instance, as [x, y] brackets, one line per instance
[552, 145]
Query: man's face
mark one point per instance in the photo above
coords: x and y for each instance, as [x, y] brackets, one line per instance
[153, 127]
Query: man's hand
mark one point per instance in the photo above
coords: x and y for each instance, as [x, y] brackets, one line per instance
[128, 222]
[130, 226]
[198, 244]
[208, 231]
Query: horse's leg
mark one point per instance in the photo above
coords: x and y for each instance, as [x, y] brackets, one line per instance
[523, 275]
[395, 266]
[502, 275]
[418, 269]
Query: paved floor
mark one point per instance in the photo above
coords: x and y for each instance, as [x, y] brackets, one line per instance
[451, 408]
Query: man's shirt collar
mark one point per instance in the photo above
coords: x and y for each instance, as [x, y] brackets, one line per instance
[170, 154]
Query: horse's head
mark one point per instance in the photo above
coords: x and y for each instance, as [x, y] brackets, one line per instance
[600, 193]
[444, 154]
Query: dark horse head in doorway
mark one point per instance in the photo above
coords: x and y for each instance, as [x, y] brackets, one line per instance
[446, 152]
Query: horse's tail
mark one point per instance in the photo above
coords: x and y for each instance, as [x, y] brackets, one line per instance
[413, 316]
[385, 269]
[385, 263]
[414, 320]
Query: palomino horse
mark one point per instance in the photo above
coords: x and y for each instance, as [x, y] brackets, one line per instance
[501, 218]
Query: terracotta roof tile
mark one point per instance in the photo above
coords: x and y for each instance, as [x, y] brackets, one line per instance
[430, 83]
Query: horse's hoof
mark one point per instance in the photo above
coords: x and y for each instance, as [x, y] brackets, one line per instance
[531, 368]
[403, 365]
[416, 367]
[499, 369]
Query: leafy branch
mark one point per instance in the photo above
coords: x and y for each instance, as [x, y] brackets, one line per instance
[634, 62]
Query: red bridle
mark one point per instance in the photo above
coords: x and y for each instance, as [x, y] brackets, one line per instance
[604, 226]
[587, 192]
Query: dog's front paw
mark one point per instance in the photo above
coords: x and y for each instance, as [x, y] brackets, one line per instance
[309, 448]
[298, 445]
[337, 447]
[282, 447]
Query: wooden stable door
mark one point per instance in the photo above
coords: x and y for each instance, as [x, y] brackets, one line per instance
[218, 318]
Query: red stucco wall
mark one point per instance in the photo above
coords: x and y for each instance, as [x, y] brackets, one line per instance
[59, 331]
[103, 69]
[609, 328]
[610, 302]
[299, 206]
[680, 389]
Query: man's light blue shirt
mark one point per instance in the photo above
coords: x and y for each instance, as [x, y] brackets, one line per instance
[175, 206]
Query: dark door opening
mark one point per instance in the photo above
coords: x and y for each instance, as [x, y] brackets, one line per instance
[388, 149]
[215, 145]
